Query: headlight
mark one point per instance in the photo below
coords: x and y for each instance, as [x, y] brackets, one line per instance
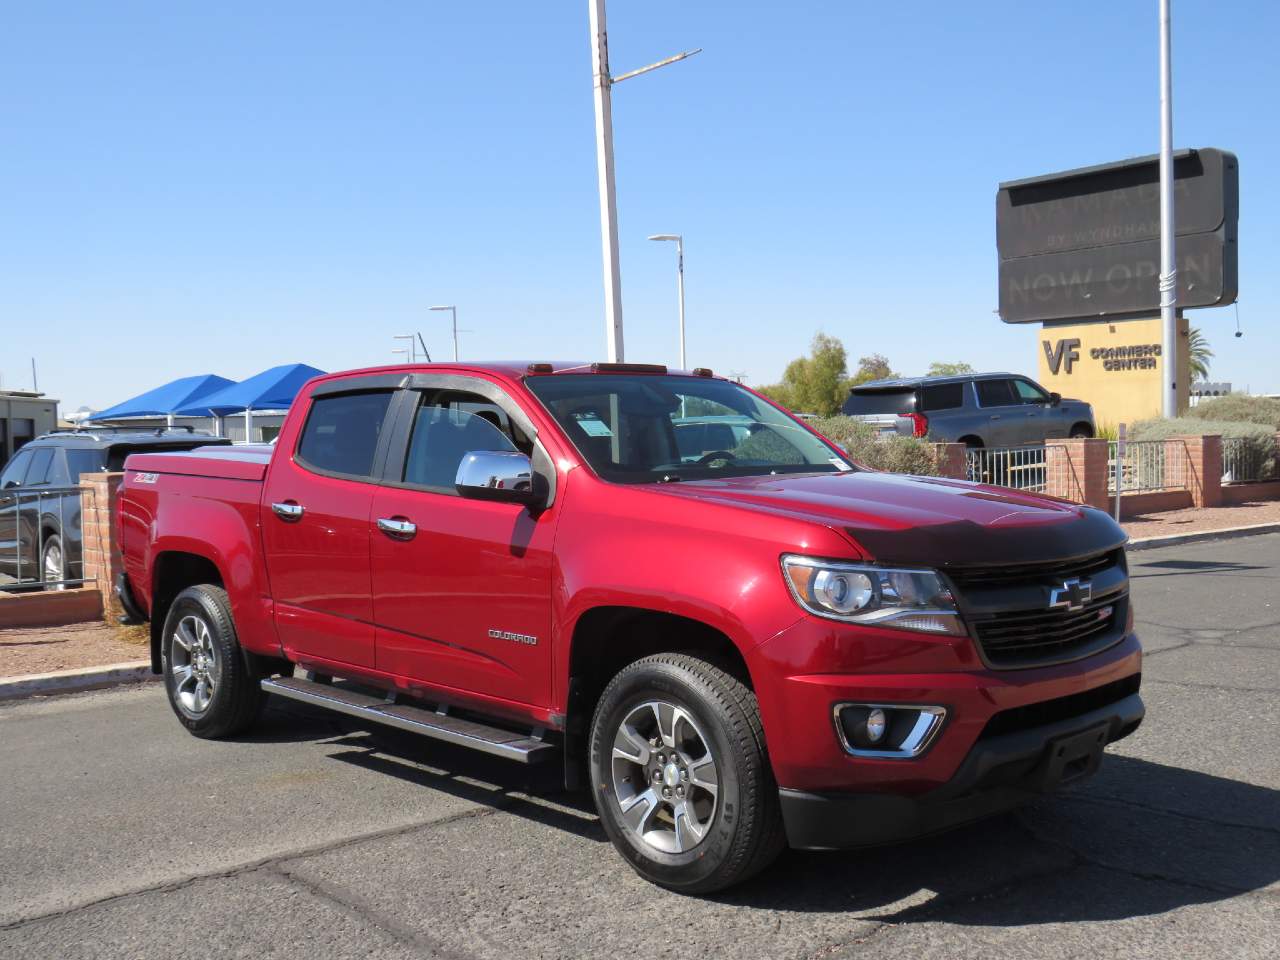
[876, 596]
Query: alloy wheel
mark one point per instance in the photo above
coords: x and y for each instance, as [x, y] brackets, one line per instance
[195, 666]
[665, 778]
[53, 566]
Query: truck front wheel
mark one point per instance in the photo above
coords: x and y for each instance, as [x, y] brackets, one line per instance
[209, 685]
[681, 776]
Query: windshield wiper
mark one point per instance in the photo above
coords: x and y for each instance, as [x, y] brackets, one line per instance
[669, 478]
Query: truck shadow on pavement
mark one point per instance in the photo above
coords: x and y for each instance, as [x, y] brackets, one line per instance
[1139, 839]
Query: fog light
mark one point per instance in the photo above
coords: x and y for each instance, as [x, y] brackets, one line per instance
[875, 725]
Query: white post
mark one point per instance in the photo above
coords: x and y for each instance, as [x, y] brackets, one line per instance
[1168, 263]
[604, 166]
[453, 310]
[248, 425]
[680, 286]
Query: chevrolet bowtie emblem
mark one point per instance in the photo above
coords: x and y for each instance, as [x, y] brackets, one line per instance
[1071, 596]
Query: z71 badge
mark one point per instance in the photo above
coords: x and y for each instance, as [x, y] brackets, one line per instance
[146, 478]
[514, 637]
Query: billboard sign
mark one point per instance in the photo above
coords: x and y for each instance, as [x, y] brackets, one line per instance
[1086, 243]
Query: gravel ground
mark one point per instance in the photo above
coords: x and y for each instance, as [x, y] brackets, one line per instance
[27, 650]
[1211, 518]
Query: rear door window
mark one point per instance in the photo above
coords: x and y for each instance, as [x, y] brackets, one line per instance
[880, 403]
[341, 433]
[995, 393]
[84, 461]
[942, 396]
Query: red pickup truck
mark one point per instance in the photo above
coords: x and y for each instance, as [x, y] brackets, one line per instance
[739, 639]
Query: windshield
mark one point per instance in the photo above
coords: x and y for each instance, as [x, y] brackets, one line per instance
[647, 429]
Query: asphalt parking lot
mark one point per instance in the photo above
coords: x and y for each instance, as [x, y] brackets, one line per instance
[124, 837]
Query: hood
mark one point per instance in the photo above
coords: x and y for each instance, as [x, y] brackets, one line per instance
[922, 520]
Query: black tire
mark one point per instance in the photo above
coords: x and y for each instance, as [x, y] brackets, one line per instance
[52, 542]
[236, 698]
[743, 831]
[1081, 432]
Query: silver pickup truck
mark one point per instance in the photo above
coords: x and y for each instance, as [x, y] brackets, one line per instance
[977, 409]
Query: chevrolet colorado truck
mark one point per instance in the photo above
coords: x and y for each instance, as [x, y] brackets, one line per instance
[737, 638]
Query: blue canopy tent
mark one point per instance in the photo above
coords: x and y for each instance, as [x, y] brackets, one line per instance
[272, 389]
[166, 400]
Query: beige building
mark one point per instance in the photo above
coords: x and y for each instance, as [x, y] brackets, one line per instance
[24, 415]
[1113, 365]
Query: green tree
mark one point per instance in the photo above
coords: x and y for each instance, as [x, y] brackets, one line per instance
[1198, 347]
[816, 383]
[943, 369]
[874, 367]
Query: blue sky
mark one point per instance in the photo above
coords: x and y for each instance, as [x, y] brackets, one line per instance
[219, 188]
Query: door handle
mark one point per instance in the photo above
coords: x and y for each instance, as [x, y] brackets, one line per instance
[995, 416]
[288, 510]
[397, 527]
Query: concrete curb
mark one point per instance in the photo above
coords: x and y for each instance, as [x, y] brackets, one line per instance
[74, 681]
[1226, 533]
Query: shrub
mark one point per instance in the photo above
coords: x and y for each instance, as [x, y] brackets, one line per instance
[1239, 408]
[864, 444]
[1258, 441]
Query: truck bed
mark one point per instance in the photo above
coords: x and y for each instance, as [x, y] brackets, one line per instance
[244, 462]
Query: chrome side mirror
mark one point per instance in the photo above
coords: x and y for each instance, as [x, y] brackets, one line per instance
[504, 475]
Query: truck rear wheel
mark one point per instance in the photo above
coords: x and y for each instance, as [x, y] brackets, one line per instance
[681, 776]
[209, 685]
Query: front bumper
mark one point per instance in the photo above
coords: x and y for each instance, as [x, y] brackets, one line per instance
[999, 773]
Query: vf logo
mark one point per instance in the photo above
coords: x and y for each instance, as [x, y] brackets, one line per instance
[1063, 353]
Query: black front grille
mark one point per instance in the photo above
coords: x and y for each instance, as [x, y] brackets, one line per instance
[995, 577]
[1027, 638]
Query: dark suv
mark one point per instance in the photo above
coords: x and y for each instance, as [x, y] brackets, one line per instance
[40, 499]
[977, 409]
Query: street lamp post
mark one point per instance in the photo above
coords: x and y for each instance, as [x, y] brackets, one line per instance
[410, 352]
[453, 310]
[679, 242]
[1168, 263]
[603, 83]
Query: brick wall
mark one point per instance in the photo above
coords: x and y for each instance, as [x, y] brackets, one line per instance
[1077, 470]
[98, 528]
[1203, 465]
[950, 458]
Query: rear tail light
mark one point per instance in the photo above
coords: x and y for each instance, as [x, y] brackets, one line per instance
[920, 424]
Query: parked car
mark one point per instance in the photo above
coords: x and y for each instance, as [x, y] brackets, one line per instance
[978, 410]
[40, 500]
[737, 639]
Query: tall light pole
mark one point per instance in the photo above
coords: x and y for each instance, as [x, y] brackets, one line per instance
[679, 242]
[410, 352]
[603, 82]
[1168, 263]
[453, 310]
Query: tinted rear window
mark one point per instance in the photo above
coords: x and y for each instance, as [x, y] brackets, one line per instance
[84, 461]
[880, 402]
[341, 434]
[943, 396]
[995, 393]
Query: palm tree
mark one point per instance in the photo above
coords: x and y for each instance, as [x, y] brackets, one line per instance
[1198, 348]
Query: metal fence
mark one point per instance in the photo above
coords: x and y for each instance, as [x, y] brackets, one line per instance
[1244, 462]
[1141, 466]
[30, 556]
[1022, 468]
